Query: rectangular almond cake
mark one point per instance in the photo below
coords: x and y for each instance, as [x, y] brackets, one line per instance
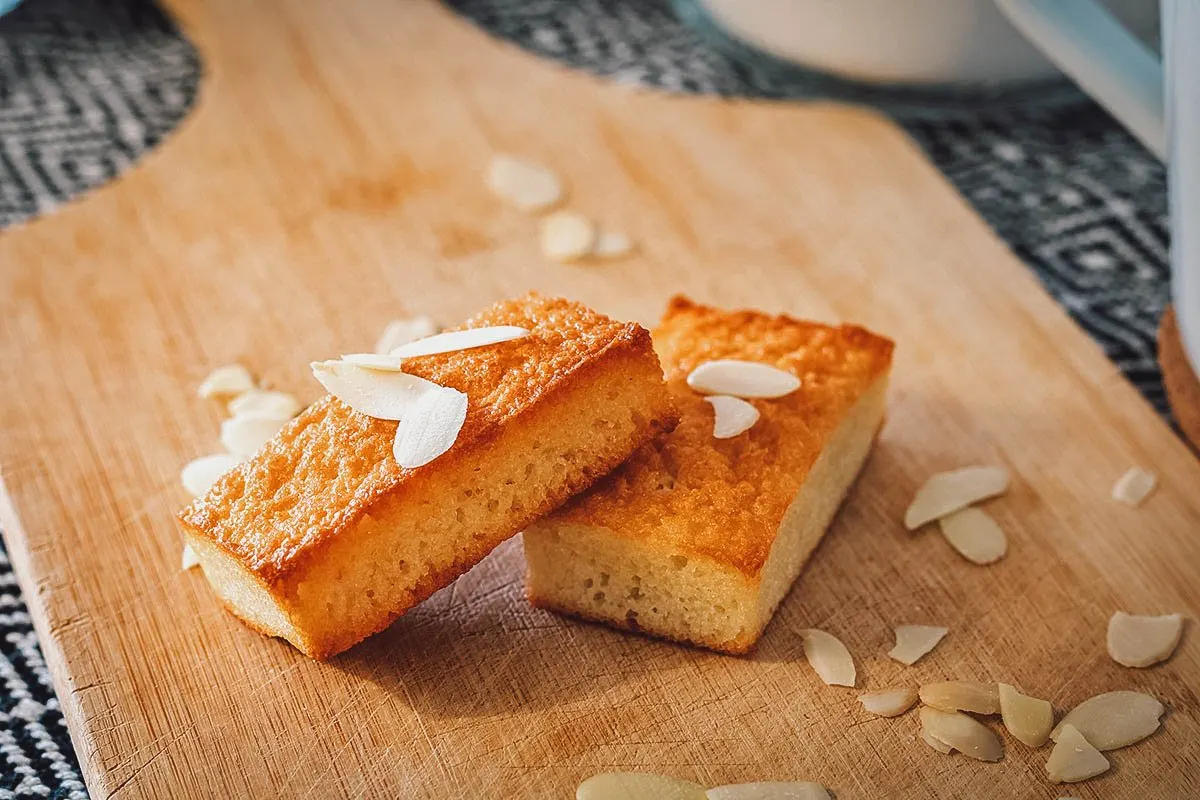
[323, 539]
[698, 539]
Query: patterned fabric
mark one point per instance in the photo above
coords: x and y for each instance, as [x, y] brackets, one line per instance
[88, 86]
[1081, 202]
[36, 757]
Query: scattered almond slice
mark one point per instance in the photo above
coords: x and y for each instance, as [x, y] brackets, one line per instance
[200, 474]
[1113, 719]
[466, 339]
[637, 786]
[189, 558]
[1027, 718]
[829, 657]
[965, 734]
[941, 747]
[915, 641]
[1134, 486]
[612, 244]
[430, 427]
[1142, 641]
[975, 535]
[244, 434]
[746, 379]
[403, 331]
[567, 236]
[770, 790]
[980, 698]
[378, 394]
[267, 403]
[385, 363]
[526, 184]
[224, 381]
[889, 702]
[947, 492]
[1074, 759]
[731, 415]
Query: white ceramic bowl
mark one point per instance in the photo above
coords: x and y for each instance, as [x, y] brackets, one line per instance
[917, 42]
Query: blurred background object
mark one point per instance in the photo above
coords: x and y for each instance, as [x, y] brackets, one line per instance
[1159, 101]
[919, 42]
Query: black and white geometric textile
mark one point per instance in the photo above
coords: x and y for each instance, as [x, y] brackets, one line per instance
[1084, 205]
[87, 86]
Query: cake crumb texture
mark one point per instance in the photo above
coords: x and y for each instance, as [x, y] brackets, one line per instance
[323, 539]
[697, 538]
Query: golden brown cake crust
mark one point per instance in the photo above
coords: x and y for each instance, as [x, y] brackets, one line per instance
[721, 490]
[327, 467]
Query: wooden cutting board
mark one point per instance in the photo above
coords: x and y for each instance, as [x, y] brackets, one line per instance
[329, 181]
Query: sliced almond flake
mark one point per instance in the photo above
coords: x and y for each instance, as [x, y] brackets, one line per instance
[965, 734]
[200, 474]
[829, 657]
[1134, 486]
[224, 381]
[947, 492]
[403, 331]
[637, 786]
[770, 790]
[430, 427]
[1113, 719]
[385, 363]
[940, 746]
[526, 184]
[267, 403]
[980, 698]
[889, 702]
[731, 415]
[915, 641]
[1142, 641]
[747, 379]
[975, 535]
[1074, 759]
[612, 244]
[244, 434]
[468, 338]
[1027, 718]
[567, 236]
[378, 394]
[189, 558]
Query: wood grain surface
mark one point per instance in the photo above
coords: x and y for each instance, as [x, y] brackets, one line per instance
[330, 181]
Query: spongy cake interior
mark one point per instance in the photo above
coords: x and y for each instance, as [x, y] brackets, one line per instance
[590, 572]
[444, 526]
[697, 539]
[323, 540]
